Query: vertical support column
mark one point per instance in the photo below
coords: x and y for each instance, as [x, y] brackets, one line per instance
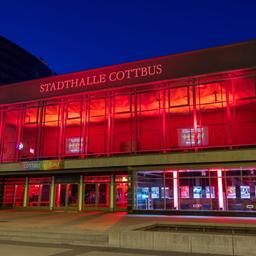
[25, 201]
[52, 193]
[1, 132]
[175, 190]
[62, 122]
[87, 123]
[136, 122]
[40, 125]
[163, 111]
[220, 189]
[18, 135]
[80, 194]
[194, 117]
[109, 120]
[83, 140]
[230, 127]
[131, 190]
[112, 193]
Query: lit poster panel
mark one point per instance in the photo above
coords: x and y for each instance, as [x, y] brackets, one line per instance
[184, 191]
[186, 137]
[231, 192]
[210, 192]
[197, 192]
[155, 192]
[74, 145]
[245, 192]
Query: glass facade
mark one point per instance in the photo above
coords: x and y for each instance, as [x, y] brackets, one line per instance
[204, 189]
[159, 118]
[222, 190]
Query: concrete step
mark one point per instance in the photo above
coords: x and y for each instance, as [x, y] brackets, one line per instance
[73, 238]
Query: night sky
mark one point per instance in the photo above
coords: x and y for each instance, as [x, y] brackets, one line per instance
[74, 35]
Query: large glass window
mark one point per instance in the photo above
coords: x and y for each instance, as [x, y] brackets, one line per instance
[97, 126]
[211, 115]
[181, 132]
[122, 124]
[39, 191]
[149, 189]
[198, 190]
[29, 132]
[13, 192]
[243, 107]
[96, 192]
[121, 182]
[149, 121]
[10, 144]
[50, 131]
[73, 139]
[240, 189]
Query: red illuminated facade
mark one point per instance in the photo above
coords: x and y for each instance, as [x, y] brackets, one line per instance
[174, 134]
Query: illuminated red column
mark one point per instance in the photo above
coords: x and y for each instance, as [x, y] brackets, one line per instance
[175, 190]
[109, 125]
[62, 120]
[228, 103]
[163, 114]
[1, 129]
[194, 117]
[220, 189]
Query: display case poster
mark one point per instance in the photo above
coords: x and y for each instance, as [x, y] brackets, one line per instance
[155, 192]
[231, 192]
[210, 191]
[245, 192]
[197, 192]
[74, 145]
[144, 193]
[184, 191]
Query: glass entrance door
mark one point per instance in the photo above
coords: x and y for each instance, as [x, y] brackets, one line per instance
[96, 195]
[90, 195]
[66, 195]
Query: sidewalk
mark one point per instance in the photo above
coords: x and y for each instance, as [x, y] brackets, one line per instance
[120, 230]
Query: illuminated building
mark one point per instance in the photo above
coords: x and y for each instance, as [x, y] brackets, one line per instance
[174, 134]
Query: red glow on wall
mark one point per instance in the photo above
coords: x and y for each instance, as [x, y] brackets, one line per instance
[210, 115]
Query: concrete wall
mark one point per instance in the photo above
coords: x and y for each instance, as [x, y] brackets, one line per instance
[185, 242]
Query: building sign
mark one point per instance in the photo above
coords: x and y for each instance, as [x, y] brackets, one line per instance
[102, 78]
[42, 165]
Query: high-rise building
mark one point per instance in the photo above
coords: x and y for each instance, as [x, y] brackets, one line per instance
[16, 64]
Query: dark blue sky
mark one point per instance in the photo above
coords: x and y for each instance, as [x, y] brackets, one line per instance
[73, 35]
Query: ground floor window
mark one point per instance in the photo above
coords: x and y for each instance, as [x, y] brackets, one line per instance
[96, 192]
[13, 195]
[39, 191]
[202, 189]
[121, 188]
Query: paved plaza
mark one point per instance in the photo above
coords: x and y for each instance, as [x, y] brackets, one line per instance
[103, 222]
[38, 249]
[64, 233]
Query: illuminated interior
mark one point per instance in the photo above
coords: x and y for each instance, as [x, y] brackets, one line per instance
[229, 189]
[210, 115]
[201, 189]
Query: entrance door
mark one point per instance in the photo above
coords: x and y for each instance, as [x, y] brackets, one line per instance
[96, 195]
[121, 195]
[66, 195]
